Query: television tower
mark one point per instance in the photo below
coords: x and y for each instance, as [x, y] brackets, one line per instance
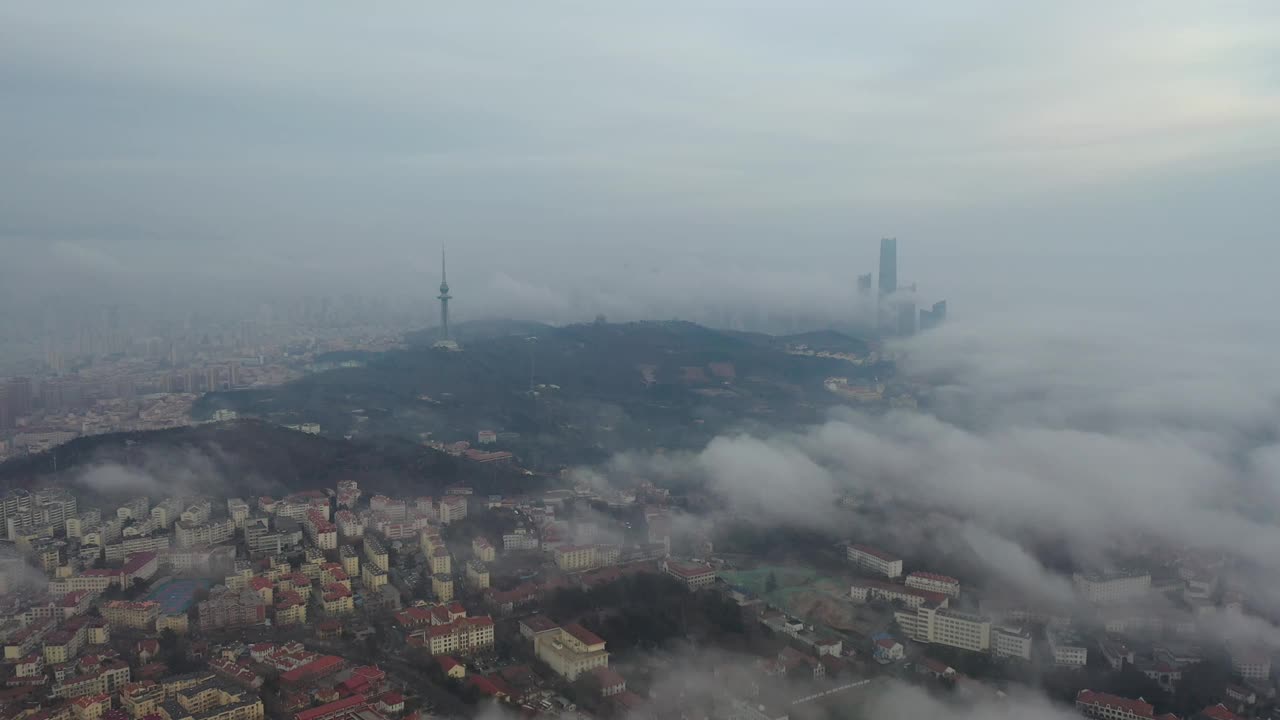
[444, 297]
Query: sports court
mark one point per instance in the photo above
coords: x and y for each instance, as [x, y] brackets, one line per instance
[176, 594]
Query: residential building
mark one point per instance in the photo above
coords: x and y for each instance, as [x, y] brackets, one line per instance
[440, 560]
[462, 636]
[1112, 588]
[376, 554]
[452, 508]
[1011, 642]
[442, 587]
[521, 539]
[483, 549]
[575, 558]
[875, 560]
[571, 650]
[863, 590]
[138, 615]
[933, 582]
[1251, 663]
[231, 608]
[692, 575]
[1104, 706]
[141, 698]
[1067, 647]
[477, 575]
[934, 624]
[189, 534]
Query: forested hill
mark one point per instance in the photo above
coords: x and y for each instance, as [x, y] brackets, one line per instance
[249, 458]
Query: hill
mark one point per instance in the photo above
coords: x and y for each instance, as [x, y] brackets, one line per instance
[245, 458]
[565, 395]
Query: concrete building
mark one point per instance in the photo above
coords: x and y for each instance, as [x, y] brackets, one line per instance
[861, 591]
[189, 534]
[460, 636]
[376, 554]
[230, 608]
[875, 560]
[442, 587]
[1251, 663]
[1112, 588]
[1067, 647]
[692, 575]
[575, 558]
[477, 575]
[483, 549]
[138, 615]
[933, 582]
[571, 650]
[1103, 706]
[939, 625]
[1011, 642]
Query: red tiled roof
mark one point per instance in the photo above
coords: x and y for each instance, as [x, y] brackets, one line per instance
[1138, 707]
[391, 698]
[320, 666]
[1219, 712]
[583, 635]
[349, 703]
[934, 576]
[490, 685]
[608, 677]
[447, 663]
[136, 561]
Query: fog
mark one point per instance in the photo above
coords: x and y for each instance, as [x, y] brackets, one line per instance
[703, 161]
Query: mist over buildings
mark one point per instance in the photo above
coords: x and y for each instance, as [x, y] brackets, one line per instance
[729, 164]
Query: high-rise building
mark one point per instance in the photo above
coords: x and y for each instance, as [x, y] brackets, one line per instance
[906, 318]
[888, 266]
[864, 284]
[18, 391]
[930, 319]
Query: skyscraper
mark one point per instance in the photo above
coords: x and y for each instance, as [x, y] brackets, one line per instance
[888, 266]
[930, 319]
[444, 297]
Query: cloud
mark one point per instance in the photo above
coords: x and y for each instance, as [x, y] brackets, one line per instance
[164, 472]
[901, 700]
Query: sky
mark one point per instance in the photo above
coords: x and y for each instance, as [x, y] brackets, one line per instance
[645, 159]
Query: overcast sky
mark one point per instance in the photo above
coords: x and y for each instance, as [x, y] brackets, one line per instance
[617, 153]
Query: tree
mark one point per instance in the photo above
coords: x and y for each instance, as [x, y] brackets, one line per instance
[771, 583]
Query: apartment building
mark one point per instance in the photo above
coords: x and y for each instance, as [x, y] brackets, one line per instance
[933, 582]
[693, 576]
[875, 560]
[1104, 706]
[1011, 642]
[189, 534]
[1112, 588]
[940, 625]
[1067, 647]
[477, 575]
[863, 590]
[138, 615]
[376, 554]
[483, 549]
[461, 636]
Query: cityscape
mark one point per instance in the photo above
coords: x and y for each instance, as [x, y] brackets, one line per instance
[843, 361]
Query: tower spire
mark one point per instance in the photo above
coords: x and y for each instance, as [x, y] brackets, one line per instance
[444, 297]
